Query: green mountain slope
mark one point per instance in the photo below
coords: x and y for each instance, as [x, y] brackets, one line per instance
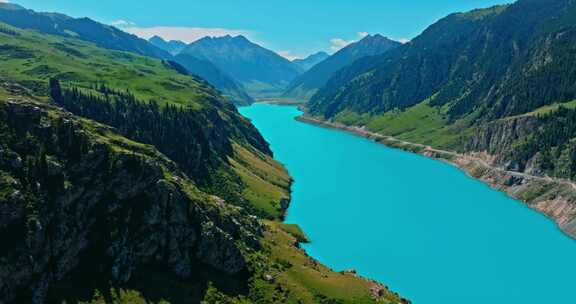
[83, 28]
[112, 38]
[471, 69]
[124, 180]
[308, 83]
[262, 72]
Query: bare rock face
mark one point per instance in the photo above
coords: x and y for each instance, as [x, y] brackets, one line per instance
[72, 198]
[217, 248]
[496, 138]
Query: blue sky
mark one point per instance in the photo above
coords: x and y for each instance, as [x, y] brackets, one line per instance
[292, 28]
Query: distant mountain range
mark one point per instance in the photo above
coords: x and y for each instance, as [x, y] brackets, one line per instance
[262, 72]
[83, 28]
[112, 38]
[310, 61]
[239, 68]
[173, 47]
[308, 83]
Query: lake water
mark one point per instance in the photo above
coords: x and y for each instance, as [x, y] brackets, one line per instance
[420, 226]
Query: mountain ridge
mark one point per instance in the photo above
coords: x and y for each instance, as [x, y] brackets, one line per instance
[309, 82]
[174, 47]
[495, 81]
[84, 28]
[262, 72]
[312, 60]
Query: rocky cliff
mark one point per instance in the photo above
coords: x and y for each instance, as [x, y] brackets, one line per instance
[536, 144]
[497, 138]
[75, 194]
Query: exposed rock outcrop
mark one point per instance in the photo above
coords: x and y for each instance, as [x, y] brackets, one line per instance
[497, 138]
[74, 194]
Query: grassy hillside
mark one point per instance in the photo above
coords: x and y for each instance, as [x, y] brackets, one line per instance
[421, 123]
[32, 58]
[86, 29]
[107, 218]
[283, 274]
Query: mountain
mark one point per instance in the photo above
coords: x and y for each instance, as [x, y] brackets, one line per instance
[126, 168]
[310, 61]
[112, 38]
[83, 28]
[497, 80]
[262, 72]
[173, 46]
[208, 71]
[308, 83]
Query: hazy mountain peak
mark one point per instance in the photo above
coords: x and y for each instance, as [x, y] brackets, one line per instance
[260, 70]
[156, 38]
[314, 55]
[10, 6]
[241, 38]
[312, 60]
[224, 39]
[374, 38]
[174, 47]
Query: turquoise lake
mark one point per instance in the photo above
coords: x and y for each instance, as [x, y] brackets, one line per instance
[420, 226]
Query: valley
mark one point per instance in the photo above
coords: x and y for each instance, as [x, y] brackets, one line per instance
[98, 196]
[209, 160]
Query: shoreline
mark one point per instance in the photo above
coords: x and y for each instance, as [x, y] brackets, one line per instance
[376, 290]
[554, 198]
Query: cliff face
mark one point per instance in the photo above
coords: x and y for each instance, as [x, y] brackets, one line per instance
[540, 144]
[200, 141]
[75, 194]
[498, 138]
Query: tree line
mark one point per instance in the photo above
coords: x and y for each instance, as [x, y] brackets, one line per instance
[178, 132]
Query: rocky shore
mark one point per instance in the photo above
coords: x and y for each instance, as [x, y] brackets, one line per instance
[556, 198]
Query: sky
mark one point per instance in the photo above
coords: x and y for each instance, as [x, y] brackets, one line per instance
[294, 28]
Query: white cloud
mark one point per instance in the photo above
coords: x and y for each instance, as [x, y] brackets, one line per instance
[404, 40]
[121, 23]
[338, 43]
[4, 1]
[186, 34]
[288, 55]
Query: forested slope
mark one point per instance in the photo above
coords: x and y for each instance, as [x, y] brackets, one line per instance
[480, 74]
[123, 179]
